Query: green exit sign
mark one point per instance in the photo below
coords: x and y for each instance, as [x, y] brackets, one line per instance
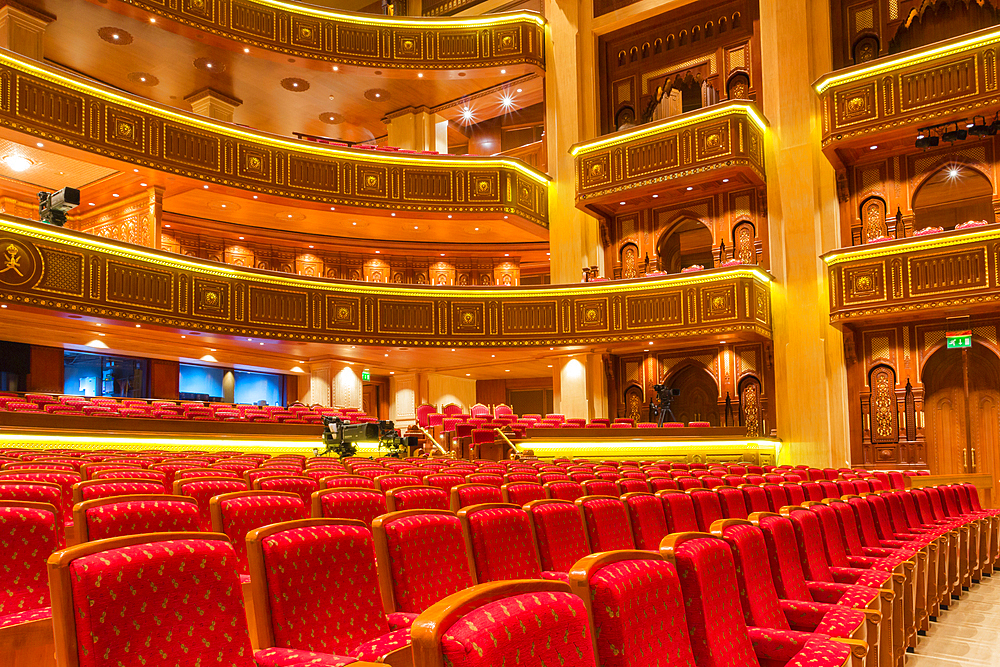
[959, 339]
[366, 376]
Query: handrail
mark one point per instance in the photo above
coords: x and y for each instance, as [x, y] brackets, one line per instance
[430, 436]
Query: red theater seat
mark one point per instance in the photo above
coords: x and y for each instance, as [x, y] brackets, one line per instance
[116, 516]
[236, 514]
[416, 497]
[349, 503]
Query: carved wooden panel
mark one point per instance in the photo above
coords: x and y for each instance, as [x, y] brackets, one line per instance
[934, 272]
[355, 39]
[51, 104]
[58, 269]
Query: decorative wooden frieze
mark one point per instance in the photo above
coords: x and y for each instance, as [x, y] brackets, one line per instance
[42, 266]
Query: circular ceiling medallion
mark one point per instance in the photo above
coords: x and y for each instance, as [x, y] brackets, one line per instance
[295, 84]
[115, 36]
[143, 78]
[377, 95]
[209, 65]
[331, 118]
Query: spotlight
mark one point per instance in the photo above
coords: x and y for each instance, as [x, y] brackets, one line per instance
[924, 141]
[951, 136]
[979, 128]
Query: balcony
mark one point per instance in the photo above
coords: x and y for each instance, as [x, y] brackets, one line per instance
[937, 275]
[890, 98]
[51, 269]
[701, 148]
[364, 40]
[98, 124]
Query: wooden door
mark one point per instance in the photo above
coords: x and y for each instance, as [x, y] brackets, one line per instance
[699, 397]
[944, 413]
[984, 414]
[369, 400]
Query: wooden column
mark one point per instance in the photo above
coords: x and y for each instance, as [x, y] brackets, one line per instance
[47, 370]
[22, 29]
[164, 379]
[810, 379]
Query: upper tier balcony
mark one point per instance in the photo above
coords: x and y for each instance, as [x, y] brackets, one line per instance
[699, 150]
[885, 102]
[45, 268]
[936, 275]
[99, 125]
[392, 43]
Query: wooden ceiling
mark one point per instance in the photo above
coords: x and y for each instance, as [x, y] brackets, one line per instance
[165, 66]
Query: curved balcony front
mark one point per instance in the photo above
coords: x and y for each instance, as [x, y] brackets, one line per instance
[98, 123]
[692, 150]
[75, 274]
[392, 43]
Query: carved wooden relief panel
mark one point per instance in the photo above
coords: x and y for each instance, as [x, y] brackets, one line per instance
[47, 267]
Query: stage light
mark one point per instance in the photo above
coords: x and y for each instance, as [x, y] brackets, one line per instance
[957, 134]
[924, 141]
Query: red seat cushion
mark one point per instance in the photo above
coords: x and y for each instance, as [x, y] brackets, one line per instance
[360, 505]
[27, 536]
[134, 517]
[170, 601]
[242, 514]
[561, 535]
[541, 628]
[639, 615]
[502, 545]
[427, 560]
[476, 494]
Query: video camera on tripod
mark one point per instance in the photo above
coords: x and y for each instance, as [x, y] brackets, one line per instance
[665, 395]
[340, 437]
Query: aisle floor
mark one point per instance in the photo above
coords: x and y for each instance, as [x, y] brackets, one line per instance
[968, 634]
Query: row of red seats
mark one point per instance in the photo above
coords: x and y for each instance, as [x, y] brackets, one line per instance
[452, 419]
[156, 409]
[845, 551]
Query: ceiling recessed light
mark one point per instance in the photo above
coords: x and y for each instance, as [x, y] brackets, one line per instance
[378, 252]
[262, 343]
[223, 206]
[17, 162]
[289, 215]
[871, 148]
[143, 79]
[655, 196]
[416, 227]
[518, 90]
[205, 187]
[503, 71]
[138, 326]
[114, 36]
[211, 349]
[550, 365]
[392, 372]
[449, 216]
[493, 355]
[167, 226]
[246, 50]
[506, 370]
[40, 145]
[255, 196]
[506, 254]
[420, 75]
[505, 217]
[335, 68]
[393, 214]
[621, 203]
[466, 375]
[115, 194]
[152, 20]
[442, 254]
[3, 305]
[378, 94]
[387, 354]
[182, 336]
[312, 246]
[690, 188]
[354, 224]
[241, 238]
[725, 180]
[208, 65]
[142, 185]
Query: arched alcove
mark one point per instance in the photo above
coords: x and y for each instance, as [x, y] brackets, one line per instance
[687, 243]
[952, 195]
[698, 399]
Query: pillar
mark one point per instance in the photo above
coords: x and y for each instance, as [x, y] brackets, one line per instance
[579, 386]
[574, 240]
[810, 378]
[417, 129]
[22, 29]
[228, 387]
[213, 104]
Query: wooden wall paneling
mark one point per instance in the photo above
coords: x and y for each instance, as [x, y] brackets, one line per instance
[47, 370]
[491, 392]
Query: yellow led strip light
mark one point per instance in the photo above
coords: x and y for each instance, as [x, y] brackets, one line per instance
[98, 244]
[989, 233]
[400, 21]
[685, 120]
[884, 65]
[208, 125]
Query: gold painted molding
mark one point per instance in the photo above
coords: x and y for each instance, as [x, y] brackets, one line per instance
[365, 40]
[50, 103]
[52, 268]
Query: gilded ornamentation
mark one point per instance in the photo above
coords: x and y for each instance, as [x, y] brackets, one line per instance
[874, 220]
[629, 259]
[856, 105]
[713, 140]
[634, 407]
[883, 406]
[16, 264]
[751, 409]
[863, 283]
[719, 303]
[744, 250]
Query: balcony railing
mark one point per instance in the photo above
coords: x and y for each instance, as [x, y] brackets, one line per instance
[53, 104]
[46, 267]
[939, 275]
[688, 149]
[896, 95]
[367, 40]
